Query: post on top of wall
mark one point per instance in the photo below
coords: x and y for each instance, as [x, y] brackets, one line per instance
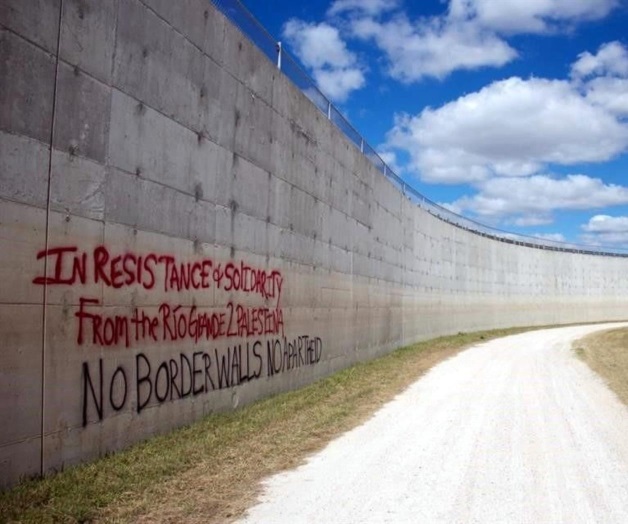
[279, 55]
[328, 110]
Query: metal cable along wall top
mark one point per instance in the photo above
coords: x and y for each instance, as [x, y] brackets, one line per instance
[244, 20]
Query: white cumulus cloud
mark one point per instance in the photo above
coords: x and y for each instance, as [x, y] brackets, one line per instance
[434, 48]
[322, 50]
[506, 137]
[529, 16]
[537, 196]
[606, 224]
[470, 34]
[609, 93]
[509, 128]
[603, 77]
[610, 60]
[606, 230]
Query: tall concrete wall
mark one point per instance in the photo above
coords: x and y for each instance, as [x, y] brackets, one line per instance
[182, 232]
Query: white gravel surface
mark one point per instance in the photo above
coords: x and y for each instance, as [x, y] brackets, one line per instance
[516, 430]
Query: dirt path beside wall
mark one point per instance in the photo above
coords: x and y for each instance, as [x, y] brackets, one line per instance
[513, 430]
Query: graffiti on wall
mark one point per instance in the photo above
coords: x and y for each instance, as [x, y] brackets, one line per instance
[256, 342]
[171, 321]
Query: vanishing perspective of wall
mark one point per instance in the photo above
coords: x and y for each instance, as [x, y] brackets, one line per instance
[182, 231]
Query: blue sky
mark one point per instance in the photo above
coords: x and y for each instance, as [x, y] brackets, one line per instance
[512, 112]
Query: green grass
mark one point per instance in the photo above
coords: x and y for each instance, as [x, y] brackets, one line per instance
[210, 471]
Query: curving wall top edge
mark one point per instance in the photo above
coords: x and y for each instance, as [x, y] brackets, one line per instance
[252, 29]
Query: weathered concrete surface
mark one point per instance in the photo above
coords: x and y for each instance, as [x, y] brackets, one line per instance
[175, 144]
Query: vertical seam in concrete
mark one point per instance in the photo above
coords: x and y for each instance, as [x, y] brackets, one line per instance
[48, 192]
[112, 72]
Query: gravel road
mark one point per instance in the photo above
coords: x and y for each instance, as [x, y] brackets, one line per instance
[516, 430]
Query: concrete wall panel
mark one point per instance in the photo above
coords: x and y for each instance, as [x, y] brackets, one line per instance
[83, 109]
[20, 155]
[35, 20]
[27, 78]
[88, 32]
[77, 186]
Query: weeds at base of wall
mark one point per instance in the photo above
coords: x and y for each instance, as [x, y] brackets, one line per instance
[210, 471]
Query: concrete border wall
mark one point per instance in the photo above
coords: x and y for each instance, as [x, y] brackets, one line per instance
[182, 231]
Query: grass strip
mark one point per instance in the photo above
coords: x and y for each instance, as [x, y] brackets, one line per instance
[606, 353]
[210, 471]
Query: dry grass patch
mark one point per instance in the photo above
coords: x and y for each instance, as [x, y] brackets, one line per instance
[210, 471]
[606, 353]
